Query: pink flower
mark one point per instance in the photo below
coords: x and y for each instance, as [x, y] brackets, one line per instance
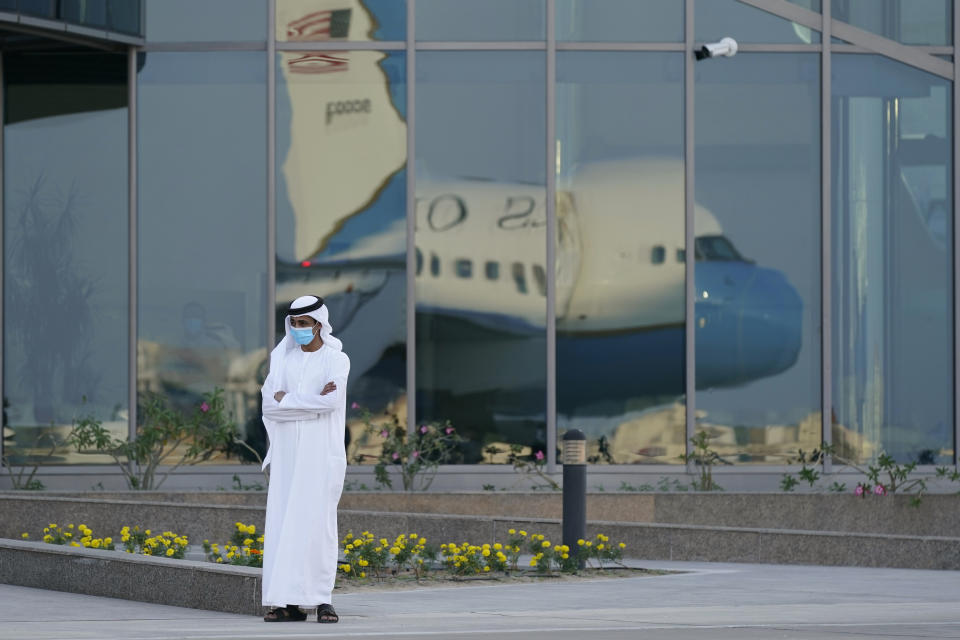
[449, 430]
[423, 428]
[539, 455]
[384, 433]
[415, 454]
[858, 491]
[396, 456]
[204, 407]
[354, 405]
[879, 490]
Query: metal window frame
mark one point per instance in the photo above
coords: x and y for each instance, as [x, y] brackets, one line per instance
[411, 298]
[271, 236]
[133, 256]
[956, 243]
[826, 239]
[551, 233]
[689, 235]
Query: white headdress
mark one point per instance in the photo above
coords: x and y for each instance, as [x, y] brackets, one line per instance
[314, 307]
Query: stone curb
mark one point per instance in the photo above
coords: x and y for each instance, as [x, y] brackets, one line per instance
[938, 515]
[115, 574]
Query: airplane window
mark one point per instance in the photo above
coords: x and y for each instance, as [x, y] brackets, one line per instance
[492, 270]
[717, 248]
[434, 265]
[419, 261]
[540, 277]
[681, 255]
[658, 255]
[464, 268]
[519, 277]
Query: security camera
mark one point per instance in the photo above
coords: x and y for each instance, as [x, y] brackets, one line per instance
[726, 47]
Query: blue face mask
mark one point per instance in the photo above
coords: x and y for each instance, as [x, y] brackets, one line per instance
[302, 336]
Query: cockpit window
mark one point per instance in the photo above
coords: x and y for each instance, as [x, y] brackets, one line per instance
[464, 268]
[492, 270]
[434, 265]
[717, 248]
[419, 261]
[658, 254]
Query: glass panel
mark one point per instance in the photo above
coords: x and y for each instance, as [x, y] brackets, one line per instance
[620, 20]
[924, 22]
[66, 308]
[90, 13]
[42, 8]
[206, 20]
[493, 20]
[356, 20]
[202, 220]
[717, 19]
[341, 212]
[758, 255]
[124, 16]
[892, 257]
[481, 343]
[620, 300]
[811, 5]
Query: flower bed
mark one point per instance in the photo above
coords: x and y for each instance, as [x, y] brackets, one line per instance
[407, 554]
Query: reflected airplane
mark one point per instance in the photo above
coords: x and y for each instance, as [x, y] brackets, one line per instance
[481, 292]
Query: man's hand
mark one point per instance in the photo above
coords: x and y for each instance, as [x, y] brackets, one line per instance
[328, 388]
[278, 396]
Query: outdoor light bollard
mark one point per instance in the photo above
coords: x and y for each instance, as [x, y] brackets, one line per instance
[574, 459]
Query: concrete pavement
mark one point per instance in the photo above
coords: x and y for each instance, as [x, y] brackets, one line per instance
[719, 601]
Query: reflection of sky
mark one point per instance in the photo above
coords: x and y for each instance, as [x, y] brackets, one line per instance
[391, 16]
[382, 213]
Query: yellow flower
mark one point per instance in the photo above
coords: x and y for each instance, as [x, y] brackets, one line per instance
[219, 559]
[148, 551]
[497, 546]
[75, 544]
[565, 556]
[581, 542]
[394, 550]
[600, 547]
[363, 574]
[24, 535]
[383, 542]
[108, 541]
[48, 538]
[413, 536]
[248, 542]
[53, 526]
[511, 531]
[147, 532]
[95, 544]
[170, 552]
[588, 543]
[67, 535]
[533, 562]
[82, 526]
[260, 539]
[523, 533]
[252, 529]
[546, 544]
[124, 538]
[486, 553]
[230, 555]
[46, 529]
[346, 568]
[622, 545]
[486, 569]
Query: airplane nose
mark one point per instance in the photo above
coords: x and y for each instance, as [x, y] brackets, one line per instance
[748, 324]
[771, 316]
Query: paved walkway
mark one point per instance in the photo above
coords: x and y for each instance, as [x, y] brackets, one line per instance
[716, 601]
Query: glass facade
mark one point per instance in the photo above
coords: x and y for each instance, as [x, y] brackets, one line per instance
[519, 227]
[481, 246]
[201, 255]
[65, 247]
[757, 294]
[620, 253]
[341, 209]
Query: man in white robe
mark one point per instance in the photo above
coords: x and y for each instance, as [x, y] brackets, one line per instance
[304, 411]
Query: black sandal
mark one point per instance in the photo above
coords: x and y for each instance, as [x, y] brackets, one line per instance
[289, 613]
[326, 614]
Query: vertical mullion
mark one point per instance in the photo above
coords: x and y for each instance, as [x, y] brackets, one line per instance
[3, 263]
[551, 199]
[271, 288]
[132, 242]
[826, 238]
[956, 242]
[689, 231]
[411, 306]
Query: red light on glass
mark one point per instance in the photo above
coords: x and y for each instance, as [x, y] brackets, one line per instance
[305, 263]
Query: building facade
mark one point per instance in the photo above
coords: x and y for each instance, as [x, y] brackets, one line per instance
[525, 216]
